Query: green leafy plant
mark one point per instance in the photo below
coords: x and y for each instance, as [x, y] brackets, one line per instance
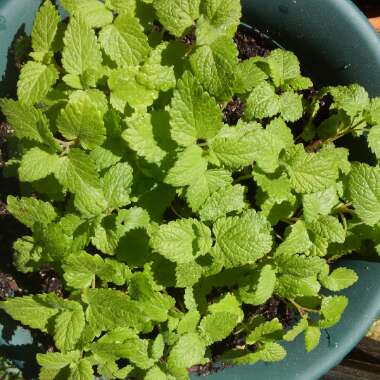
[169, 227]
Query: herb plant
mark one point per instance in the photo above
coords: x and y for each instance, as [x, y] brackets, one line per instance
[170, 228]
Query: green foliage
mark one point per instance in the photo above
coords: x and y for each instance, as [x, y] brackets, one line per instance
[163, 221]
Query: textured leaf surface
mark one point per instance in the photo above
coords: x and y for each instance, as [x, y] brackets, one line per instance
[182, 241]
[81, 51]
[124, 41]
[194, 114]
[262, 102]
[80, 119]
[35, 81]
[310, 172]
[30, 210]
[93, 11]
[214, 66]
[117, 185]
[223, 201]
[339, 279]
[45, 27]
[37, 164]
[177, 15]
[364, 192]
[189, 165]
[242, 239]
[68, 327]
[140, 137]
[218, 18]
[206, 184]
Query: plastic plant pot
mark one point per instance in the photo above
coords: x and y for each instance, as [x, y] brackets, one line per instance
[336, 45]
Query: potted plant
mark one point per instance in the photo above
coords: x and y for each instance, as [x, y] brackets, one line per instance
[192, 203]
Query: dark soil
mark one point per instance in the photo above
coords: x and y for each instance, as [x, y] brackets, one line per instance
[233, 111]
[252, 43]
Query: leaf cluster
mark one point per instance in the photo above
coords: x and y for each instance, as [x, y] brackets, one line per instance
[147, 204]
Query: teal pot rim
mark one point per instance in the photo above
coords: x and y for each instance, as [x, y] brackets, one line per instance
[338, 46]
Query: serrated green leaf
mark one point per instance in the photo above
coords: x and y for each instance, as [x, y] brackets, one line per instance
[189, 165]
[262, 102]
[206, 184]
[126, 90]
[328, 227]
[233, 147]
[37, 164]
[214, 66]
[81, 51]
[248, 75]
[124, 41]
[81, 120]
[122, 6]
[157, 347]
[332, 309]
[194, 113]
[82, 371]
[260, 286]
[374, 140]
[299, 265]
[189, 322]
[153, 74]
[80, 269]
[298, 83]
[26, 255]
[35, 311]
[340, 278]
[312, 336]
[140, 136]
[283, 65]
[266, 331]
[218, 18]
[93, 12]
[45, 27]
[176, 15]
[56, 364]
[189, 350]
[291, 286]
[223, 201]
[155, 304]
[112, 227]
[291, 106]
[28, 122]
[310, 172]
[35, 81]
[30, 210]
[296, 330]
[182, 241]
[156, 373]
[218, 326]
[242, 239]
[297, 241]
[352, 98]
[76, 171]
[319, 203]
[68, 327]
[364, 192]
[109, 309]
[277, 187]
[269, 352]
[268, 143]
[117, 185]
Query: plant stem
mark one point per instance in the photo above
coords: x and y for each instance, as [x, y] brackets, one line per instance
[243, 178]
[301, 309]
